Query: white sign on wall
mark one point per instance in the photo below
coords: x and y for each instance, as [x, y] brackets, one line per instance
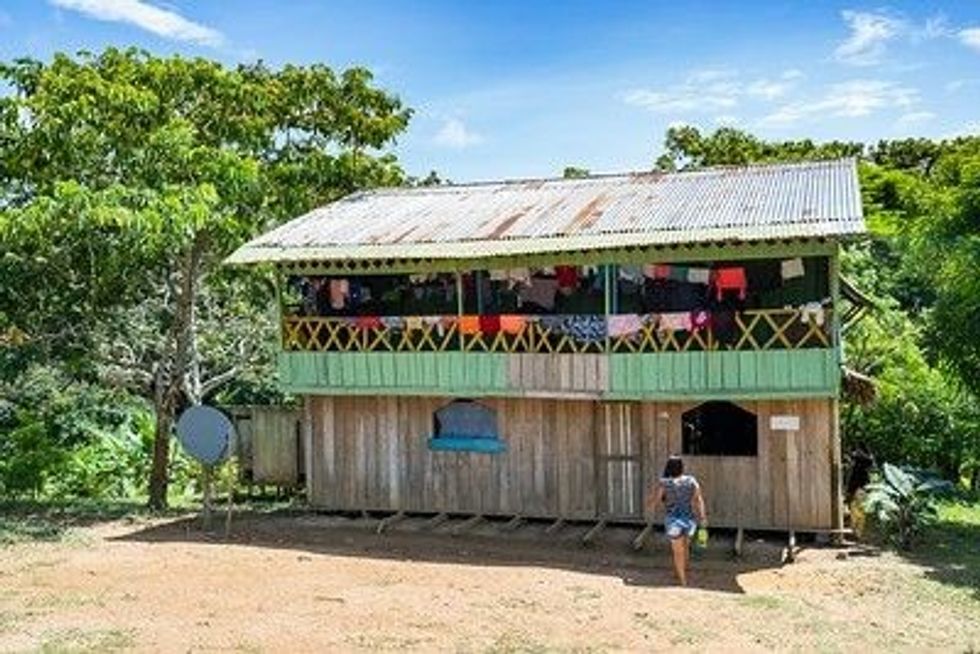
[785, 423]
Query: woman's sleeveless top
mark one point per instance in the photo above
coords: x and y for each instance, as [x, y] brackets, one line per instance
[678, 495]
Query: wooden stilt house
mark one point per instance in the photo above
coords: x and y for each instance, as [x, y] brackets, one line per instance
[538, 348]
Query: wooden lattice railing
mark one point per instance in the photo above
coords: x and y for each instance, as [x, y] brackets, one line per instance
[760, 329]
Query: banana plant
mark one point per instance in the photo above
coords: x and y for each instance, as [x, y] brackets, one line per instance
[902, 502]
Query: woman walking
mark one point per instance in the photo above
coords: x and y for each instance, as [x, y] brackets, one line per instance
[683, 511]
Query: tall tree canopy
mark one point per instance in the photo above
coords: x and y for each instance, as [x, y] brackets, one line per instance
[125, 178]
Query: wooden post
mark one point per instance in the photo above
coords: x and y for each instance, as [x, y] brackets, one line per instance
[436, 520]
[589, 537]
[465, 526]
[389, 521]
[836, 474]
[206, 503]
[642, 538]
[739, 536]
[513, 524]
[555, 526]
[231, 501]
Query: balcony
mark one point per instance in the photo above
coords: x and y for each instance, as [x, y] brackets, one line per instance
[771, 353]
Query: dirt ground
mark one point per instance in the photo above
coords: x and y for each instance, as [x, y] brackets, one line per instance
[326, 583]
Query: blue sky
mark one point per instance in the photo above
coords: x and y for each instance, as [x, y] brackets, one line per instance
[521, 88]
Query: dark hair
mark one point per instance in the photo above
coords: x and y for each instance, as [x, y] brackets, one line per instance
[674, 467]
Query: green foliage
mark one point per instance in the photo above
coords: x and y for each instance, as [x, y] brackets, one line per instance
[903, 503]
[125, 179]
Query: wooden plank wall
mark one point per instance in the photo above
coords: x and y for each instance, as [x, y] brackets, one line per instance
[276, 452]
[563, 459]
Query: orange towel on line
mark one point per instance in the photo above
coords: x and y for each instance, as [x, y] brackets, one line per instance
[512, 324]
[469, 324]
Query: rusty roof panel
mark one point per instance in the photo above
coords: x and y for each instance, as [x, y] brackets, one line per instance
[801, 200]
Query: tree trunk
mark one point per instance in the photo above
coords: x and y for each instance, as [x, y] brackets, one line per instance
[172, 383]
[161, 455]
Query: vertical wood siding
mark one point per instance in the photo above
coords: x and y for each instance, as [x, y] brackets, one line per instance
[565, 458]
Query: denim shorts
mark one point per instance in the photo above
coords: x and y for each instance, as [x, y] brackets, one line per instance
[676, 526]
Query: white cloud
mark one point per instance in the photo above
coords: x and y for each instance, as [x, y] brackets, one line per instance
[914, 118]
[869, 34]
[955, 85]
[767, 89]
[709, 90]
[454, 134]
[726, 120]
[970, 37]
[852, 99]
[792, 73]
[162, 22]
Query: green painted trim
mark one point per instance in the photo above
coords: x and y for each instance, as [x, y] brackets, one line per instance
[772, 374]
[834, 273]
[629, 255]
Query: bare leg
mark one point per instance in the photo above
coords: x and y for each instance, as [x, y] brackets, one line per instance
[678, 548]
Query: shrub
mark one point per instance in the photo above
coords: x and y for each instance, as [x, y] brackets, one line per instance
[902, 503]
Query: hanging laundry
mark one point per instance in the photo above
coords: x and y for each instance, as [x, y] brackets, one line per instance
[413, 323]
[567, 276]
[540, 291]
[729, 279]
[627, 324]
[519, 275]
[699, 275]
[723, 326]
[490, 324]
[678, 273]
[700, 320]
[673, 322]
[437, 322]
[792, 268]
[631, 273]
[368, 322]
[546, 270]
[650, 270]
[469, 324]
[393, 322]
[587, 328]
[419, 278]
[339, 292]
[814, 311]
[512, 324]
[498, 275]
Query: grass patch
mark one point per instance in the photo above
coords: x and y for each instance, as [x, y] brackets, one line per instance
[77, 641]
[948, 548]
[762, 602]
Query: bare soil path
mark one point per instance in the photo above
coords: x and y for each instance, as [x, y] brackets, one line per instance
[317, 583]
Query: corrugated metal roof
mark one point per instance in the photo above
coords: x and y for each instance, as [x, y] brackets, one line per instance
[750, 203]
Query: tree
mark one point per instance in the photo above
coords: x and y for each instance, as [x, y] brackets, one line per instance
[574, 172]
[127, 178]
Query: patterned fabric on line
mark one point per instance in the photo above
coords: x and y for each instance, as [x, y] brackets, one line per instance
[624, 325]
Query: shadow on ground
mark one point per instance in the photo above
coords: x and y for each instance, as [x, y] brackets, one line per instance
[950, 552]
[487, 545]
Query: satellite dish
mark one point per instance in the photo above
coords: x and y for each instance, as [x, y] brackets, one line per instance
[205, 433]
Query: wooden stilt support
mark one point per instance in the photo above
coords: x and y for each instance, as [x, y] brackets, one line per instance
[739, 538]
[790, 548]
[390, 520]
[555, 526]
[513, 524]
[590, 536]
[641, 539]
[437, 520]
[466, 525]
